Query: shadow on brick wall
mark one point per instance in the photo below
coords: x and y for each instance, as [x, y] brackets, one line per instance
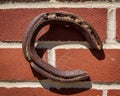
[63, 33]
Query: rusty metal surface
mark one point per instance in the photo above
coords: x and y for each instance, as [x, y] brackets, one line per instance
[57, 18]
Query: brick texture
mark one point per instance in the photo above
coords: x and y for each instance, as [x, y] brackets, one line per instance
[45, 92]
[102, 66]
[13, 66]
[118, 23]
[114, 93]
[17, 20]
[102, 63]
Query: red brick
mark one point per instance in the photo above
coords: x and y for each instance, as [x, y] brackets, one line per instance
[45, 92]
[101, 66]
[113, 92]
[118, 23]
[13, 66]
[17, 20]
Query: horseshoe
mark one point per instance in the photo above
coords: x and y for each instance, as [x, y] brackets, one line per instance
[57, 18]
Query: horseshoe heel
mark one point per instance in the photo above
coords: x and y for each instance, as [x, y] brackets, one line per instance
[57, 18]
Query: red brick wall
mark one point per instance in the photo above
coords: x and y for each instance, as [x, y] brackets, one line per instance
[61, 47]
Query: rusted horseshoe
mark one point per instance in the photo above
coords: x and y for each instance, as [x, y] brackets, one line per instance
[58, 18]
